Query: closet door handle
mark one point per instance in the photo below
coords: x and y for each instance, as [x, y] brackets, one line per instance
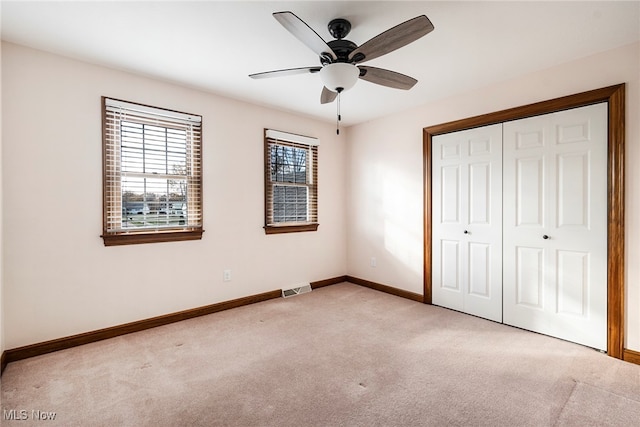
[466, 232]
[545, 237]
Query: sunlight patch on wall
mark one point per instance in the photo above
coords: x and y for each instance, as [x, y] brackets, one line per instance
[402, 212]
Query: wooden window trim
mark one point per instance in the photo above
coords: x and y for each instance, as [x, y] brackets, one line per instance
[152, 235]
[615, 97]
[286, 227]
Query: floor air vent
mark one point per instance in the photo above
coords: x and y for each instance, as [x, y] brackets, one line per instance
[296, 291]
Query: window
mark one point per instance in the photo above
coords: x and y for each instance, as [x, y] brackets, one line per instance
[291, 182]
[152, 174]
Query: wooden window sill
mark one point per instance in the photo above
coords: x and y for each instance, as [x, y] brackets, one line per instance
[297, 228]
[153, 237]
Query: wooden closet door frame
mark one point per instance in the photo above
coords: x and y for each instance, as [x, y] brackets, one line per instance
[615, 97]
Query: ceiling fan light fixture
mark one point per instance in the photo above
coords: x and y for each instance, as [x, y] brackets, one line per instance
[339, 76]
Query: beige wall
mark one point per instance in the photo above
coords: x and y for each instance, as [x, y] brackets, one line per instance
[60, 279]
[385, 171]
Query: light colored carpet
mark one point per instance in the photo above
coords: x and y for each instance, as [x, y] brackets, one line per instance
[343, 355]
[587, 404]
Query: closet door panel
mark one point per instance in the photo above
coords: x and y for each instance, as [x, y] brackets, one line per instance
[450, 194]
[529, 278]
[447, 188]
[479, 193]
[573, 283]
[480, 269]
[529, 192]
[573, 189]
[450, 265]
[555, 213]
[467, 216]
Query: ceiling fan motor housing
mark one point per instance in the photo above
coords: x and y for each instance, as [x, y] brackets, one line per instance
[342, 49]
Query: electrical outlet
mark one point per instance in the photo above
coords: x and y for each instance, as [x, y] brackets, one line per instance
[226, 276]
[374, 262]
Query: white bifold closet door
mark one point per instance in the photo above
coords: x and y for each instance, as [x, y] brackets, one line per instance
[555, 224]
[467, 221]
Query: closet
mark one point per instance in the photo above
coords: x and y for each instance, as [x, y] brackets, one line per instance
[519, 223]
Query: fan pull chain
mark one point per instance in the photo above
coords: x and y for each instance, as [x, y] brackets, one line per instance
[338, 118]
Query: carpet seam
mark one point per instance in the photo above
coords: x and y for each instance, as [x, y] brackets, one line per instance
[564, 405]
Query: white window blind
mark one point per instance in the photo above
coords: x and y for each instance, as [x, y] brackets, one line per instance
[291, 181]
[152, 171]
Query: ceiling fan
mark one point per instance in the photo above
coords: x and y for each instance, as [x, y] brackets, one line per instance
[340, 58]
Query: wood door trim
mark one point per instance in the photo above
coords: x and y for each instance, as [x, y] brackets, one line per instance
[615, 97]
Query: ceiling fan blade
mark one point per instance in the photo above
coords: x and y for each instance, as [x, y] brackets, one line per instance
[303, 32]
[392, 39]
[287, 72]
[386, 78]
[327, 96]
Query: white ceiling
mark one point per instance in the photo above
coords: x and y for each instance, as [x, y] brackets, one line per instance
[213, 45]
